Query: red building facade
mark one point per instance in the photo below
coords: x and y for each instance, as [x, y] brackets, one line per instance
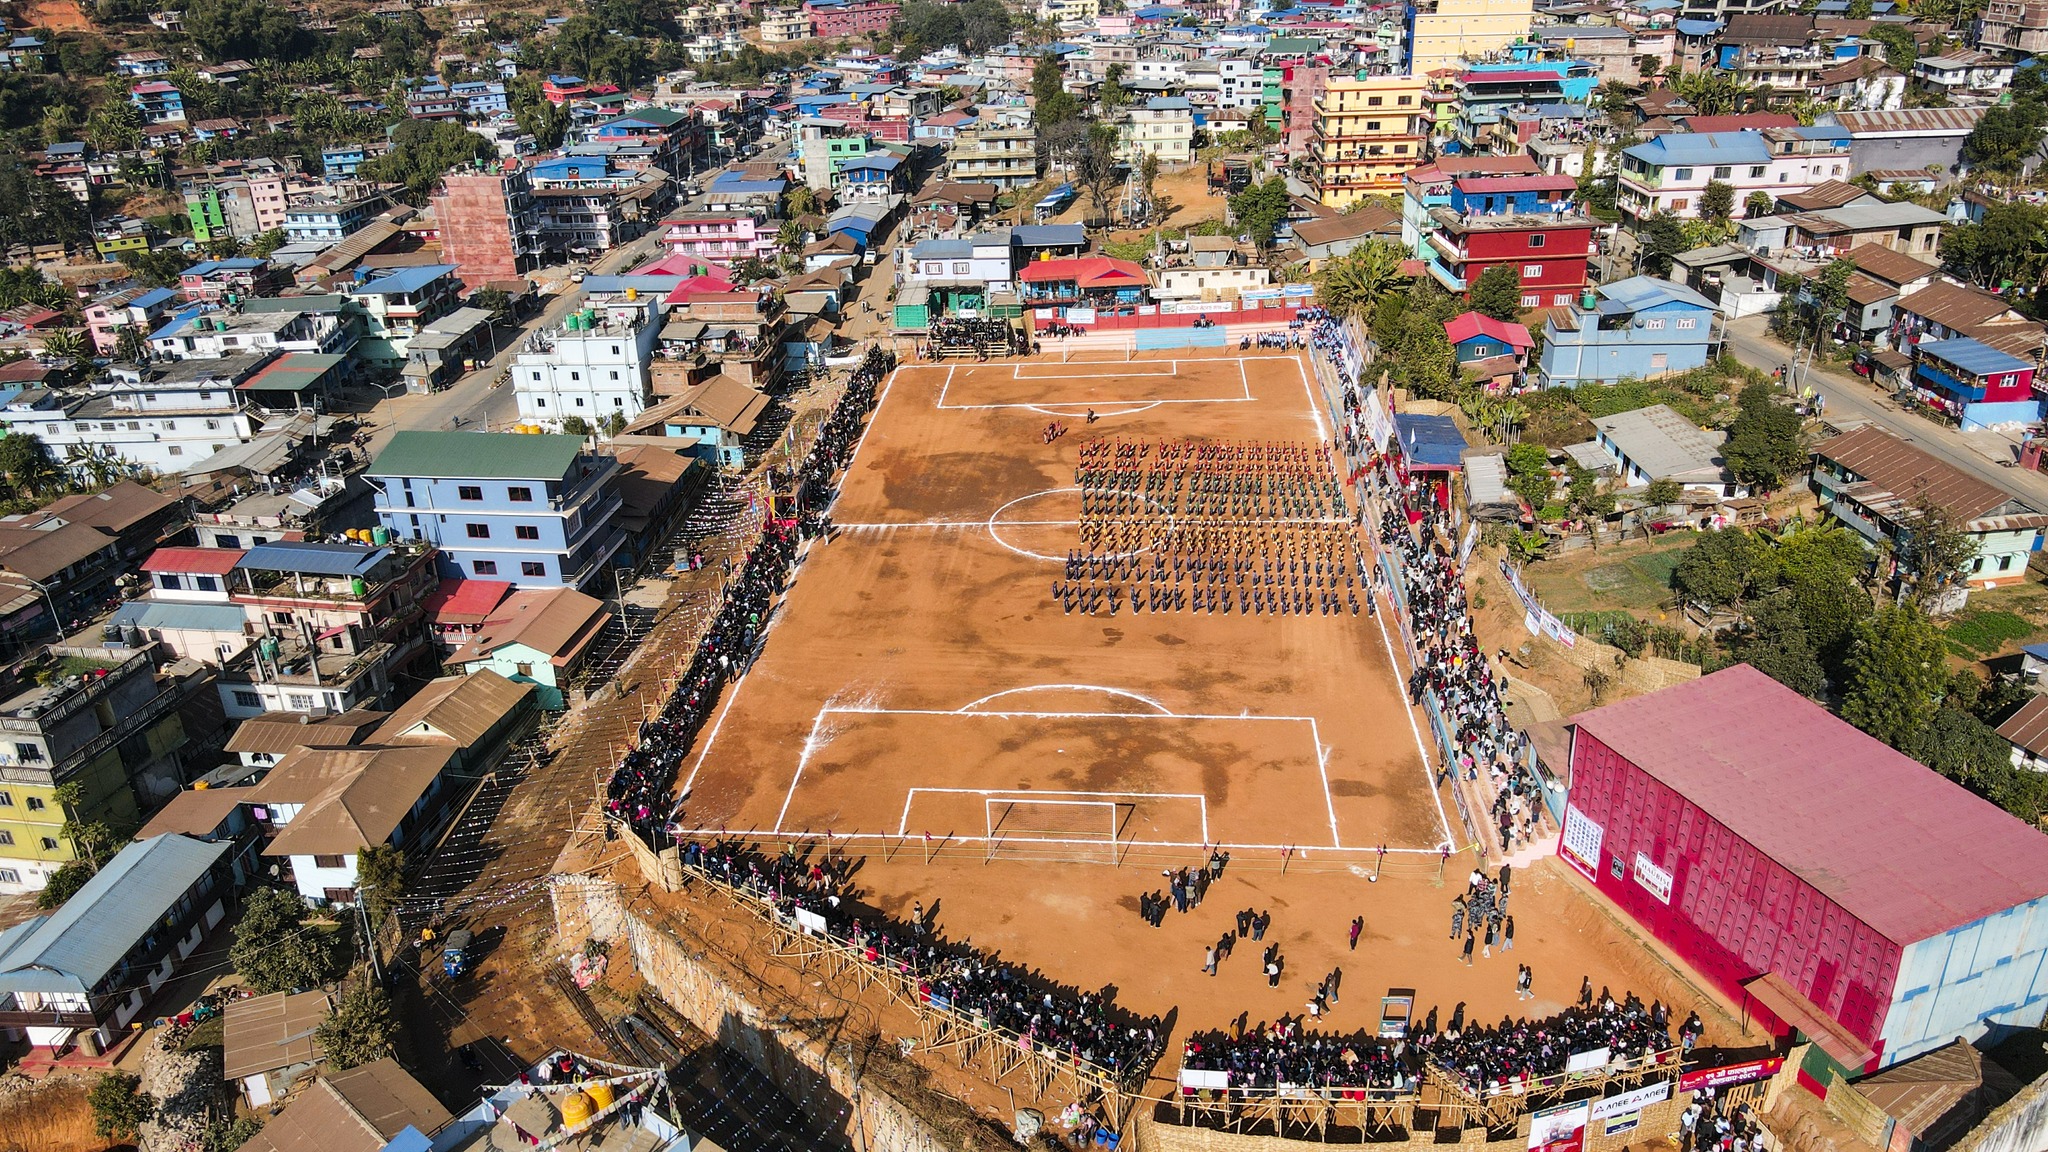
[1550, 252]
[831, 21]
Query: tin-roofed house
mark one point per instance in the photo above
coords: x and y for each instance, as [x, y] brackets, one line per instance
[80, 974]
[539, 637]
[1877, 484]
[1641, 327]
[1975, 383]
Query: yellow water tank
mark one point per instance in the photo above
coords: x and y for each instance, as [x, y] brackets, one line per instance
[600, 1096]
[632, 294]
[575, 1109]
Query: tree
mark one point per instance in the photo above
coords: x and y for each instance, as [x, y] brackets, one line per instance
[1962, 748]
[1774, 641]
[1354, 282]
[2006, 137]
[1661, 237]
[1662, 492]
[67, 343]
[1051, 102]
[1901, 51]
[359, 1031]
[1759, 204]
[1717, 201]
[131, 343]
[1896, 675]
[275, 950]
[246, 30]
[1830, 294]
[119, 1106]
[1259, 209]
[27, 464]
[1934, 551]
[225, 1134]
[2008, 244]
[496, 301]
[158, 269]
[1720, 569]
[380, 879]
[38, 211]
[423, 151]
[1097, 168]
[1498, 292]
[1529, 473]
[576, 426]
[1763, 445]
[613, 424]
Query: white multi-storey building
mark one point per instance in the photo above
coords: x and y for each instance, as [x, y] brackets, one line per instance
[594, 366]
[1671, 172]
[164, 417]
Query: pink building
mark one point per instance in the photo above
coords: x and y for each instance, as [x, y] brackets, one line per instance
[831, 21]
[723, 236]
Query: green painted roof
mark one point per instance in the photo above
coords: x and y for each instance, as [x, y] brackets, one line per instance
[293, 372]
[477, 456]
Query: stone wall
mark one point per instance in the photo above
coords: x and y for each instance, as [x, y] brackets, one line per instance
[831, 1082]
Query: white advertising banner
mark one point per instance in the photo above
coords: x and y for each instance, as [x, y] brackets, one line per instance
[1580, 844]
[1656, 881]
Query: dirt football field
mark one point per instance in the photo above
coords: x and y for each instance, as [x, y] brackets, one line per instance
[1025, 771]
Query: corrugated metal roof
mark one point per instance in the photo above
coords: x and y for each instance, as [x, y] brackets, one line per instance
[180, 617]
[1664, 444]
[206, 561]
[2028, 727]
[1430, 441]
[477, 455]
[74, 948]
[1905, 471]
[1910, 121]
[311, 559]
[1971, 355]
[1903, 850]
[267, 1033]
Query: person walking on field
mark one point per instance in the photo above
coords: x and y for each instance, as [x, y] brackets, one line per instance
[1209, 961]
[1357, 926]
[1507, 935]
[1523, 979]
[1468, 949]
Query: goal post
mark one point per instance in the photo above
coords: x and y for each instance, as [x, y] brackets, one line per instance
[1075, 824]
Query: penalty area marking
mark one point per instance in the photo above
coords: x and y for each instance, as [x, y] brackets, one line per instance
[812, 741]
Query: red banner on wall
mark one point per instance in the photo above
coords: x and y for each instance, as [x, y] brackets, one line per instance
[1730, 1075]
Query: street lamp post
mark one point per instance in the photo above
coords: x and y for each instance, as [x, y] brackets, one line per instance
[56, 619]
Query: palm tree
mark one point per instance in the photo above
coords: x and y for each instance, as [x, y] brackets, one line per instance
[1353, 283]
[66, 342]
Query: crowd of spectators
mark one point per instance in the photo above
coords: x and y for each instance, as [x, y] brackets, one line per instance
[1080, 1026]
[1486, 1059]
[641, 794]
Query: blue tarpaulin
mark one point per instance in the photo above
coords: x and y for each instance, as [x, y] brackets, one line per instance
[1431, 443]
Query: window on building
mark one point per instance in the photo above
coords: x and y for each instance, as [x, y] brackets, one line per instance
[1723, 172]
[484, 567]
[526, 531]
[1532, 271]
[532, 568]
[29, 753]
[519, 494]
[206, 583]
[1756, 172]
[469, 492]
[175, 450]
[1681, 173]
[525, 670]
[1375, 101]
[477, 531]
[6, 799]
[1680, 205]
[323, 860]
[1685, 323]
[6, 837]
[169, 582]
[1561, 299]
[35, 804]
[247, 699]
[300, 701]
[1530, 301]
[1659, 361]
[1405, 101]
[9, 876]
[1537, 239]
[49, 844]
[1654, 323]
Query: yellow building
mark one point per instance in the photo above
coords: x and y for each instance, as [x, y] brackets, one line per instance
[1368, 134]
[1447, 31]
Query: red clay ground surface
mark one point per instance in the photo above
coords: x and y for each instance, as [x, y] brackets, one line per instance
[921, 679]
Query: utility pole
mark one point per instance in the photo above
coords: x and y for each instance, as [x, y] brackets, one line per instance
[369, 940]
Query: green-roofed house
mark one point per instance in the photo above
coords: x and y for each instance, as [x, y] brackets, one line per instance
[295, 382]
[536, 511]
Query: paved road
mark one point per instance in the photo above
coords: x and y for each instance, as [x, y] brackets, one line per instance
[1851, 398]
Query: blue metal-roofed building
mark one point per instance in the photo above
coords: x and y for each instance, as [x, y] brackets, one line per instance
[1641, 327]
[94, 963]
[1671, 172]
[1975, 383]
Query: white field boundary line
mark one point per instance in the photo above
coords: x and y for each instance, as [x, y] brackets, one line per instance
[1314, 733]
[1421, 747]
[776, 614]
[994, 826]
[1315, 409]
[1042, 796]
[1017, 372]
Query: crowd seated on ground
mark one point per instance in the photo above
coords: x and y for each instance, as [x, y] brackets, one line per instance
[1081, 1026]
[1488, 1059]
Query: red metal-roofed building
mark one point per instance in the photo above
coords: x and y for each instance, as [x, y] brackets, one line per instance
[1823, 880]
[1083, 279]
[194, 574]
[1740, 122]
[457, 610]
